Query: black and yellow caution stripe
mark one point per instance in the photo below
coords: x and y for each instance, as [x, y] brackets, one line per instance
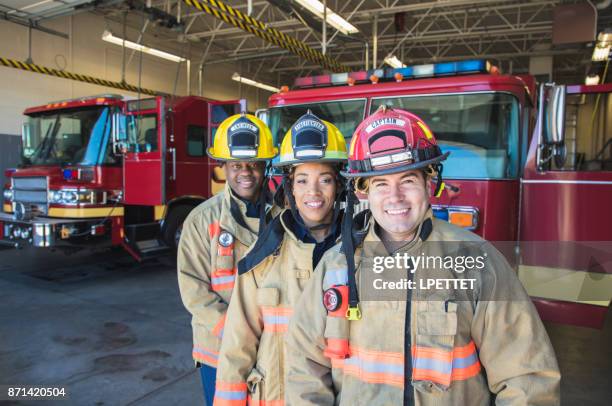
[31, 67]
[230, 15]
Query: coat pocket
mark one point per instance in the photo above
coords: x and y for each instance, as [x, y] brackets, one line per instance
[433, 352]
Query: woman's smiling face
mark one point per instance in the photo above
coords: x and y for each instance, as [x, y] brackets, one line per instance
[314, 190]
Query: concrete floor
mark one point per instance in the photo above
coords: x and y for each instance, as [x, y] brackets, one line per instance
[115, 333]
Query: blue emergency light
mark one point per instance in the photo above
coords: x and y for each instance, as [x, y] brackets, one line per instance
[388, 74]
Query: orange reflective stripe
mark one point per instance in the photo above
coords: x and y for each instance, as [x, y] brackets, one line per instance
[276, 319]
[230, 393]
[223, 279]
[225, 251]
[229, 402]
[230, 386]
[205, 355]
[461, 374]
[218, 329]
[442, 366]
[465, 351]
[337, 348]
[214, 229]
[371, 366]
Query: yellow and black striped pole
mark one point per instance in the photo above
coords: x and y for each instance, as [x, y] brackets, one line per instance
[31, 67]
[230, 15]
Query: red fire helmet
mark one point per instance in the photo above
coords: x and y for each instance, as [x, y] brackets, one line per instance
[392, 141]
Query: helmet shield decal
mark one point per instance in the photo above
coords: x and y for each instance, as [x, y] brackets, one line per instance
[243, 138]
[387, 141]
[309, 137]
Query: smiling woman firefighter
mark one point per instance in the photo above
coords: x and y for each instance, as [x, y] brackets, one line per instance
[274, 272]
[217, 234]
[442, 346]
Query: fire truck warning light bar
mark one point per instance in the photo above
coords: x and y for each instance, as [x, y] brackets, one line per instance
[397, 74]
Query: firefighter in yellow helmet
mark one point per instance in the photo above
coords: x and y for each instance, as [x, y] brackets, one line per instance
[274, 272]
[412, 310]
[218, 232]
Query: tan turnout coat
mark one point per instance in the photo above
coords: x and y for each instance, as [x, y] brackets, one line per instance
[212, 242]
[467, 352]
[271, 278]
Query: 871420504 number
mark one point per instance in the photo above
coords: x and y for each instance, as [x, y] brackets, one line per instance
[27, 392]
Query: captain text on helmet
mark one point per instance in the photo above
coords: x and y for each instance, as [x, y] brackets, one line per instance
[274, 272]
[218, 232]
[425, 347]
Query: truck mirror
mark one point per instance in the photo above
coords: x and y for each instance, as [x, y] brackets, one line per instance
[119, 133]
[26, 140]
[263, 115]
[550, 126]
[554, 128]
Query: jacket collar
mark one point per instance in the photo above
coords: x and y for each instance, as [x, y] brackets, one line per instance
[231, 225]
[298, 233]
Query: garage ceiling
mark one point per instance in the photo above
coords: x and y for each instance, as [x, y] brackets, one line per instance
[507, 32]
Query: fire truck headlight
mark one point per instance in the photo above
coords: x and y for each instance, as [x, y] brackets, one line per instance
[8, 195]
[86, 196]
[55, 196]
[69, 197]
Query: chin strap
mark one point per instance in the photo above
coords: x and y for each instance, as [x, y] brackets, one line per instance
[265, 197]
[348, 248]
[440, 185]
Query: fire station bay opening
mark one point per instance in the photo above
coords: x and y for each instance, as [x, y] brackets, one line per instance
[481, 129]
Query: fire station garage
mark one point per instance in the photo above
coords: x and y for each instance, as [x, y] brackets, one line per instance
[125, 126]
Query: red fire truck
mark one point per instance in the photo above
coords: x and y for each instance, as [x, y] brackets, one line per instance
[106, 169]
[537, 182]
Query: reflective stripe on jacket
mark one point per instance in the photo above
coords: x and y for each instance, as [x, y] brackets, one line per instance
[271, 279]
[212, 242]
[467, 352]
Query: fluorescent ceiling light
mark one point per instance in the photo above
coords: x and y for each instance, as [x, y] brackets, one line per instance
[109, 37]
[251, 82]
[592, 80]
[601, 53]
[333, 19]
[393, 62]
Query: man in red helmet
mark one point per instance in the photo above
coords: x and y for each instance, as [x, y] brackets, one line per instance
[445, 334]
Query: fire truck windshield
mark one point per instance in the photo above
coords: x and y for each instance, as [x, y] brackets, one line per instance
[481, 131]
[62, 137]
[345, 115]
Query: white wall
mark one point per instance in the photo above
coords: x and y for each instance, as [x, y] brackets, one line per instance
[86, 53]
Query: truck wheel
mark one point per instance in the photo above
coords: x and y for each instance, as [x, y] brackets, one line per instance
[174, 225]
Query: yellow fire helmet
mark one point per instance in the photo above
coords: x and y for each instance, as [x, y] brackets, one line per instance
[311, 139]
[243, 137]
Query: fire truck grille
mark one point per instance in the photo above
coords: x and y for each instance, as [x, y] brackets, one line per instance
[32, 192]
